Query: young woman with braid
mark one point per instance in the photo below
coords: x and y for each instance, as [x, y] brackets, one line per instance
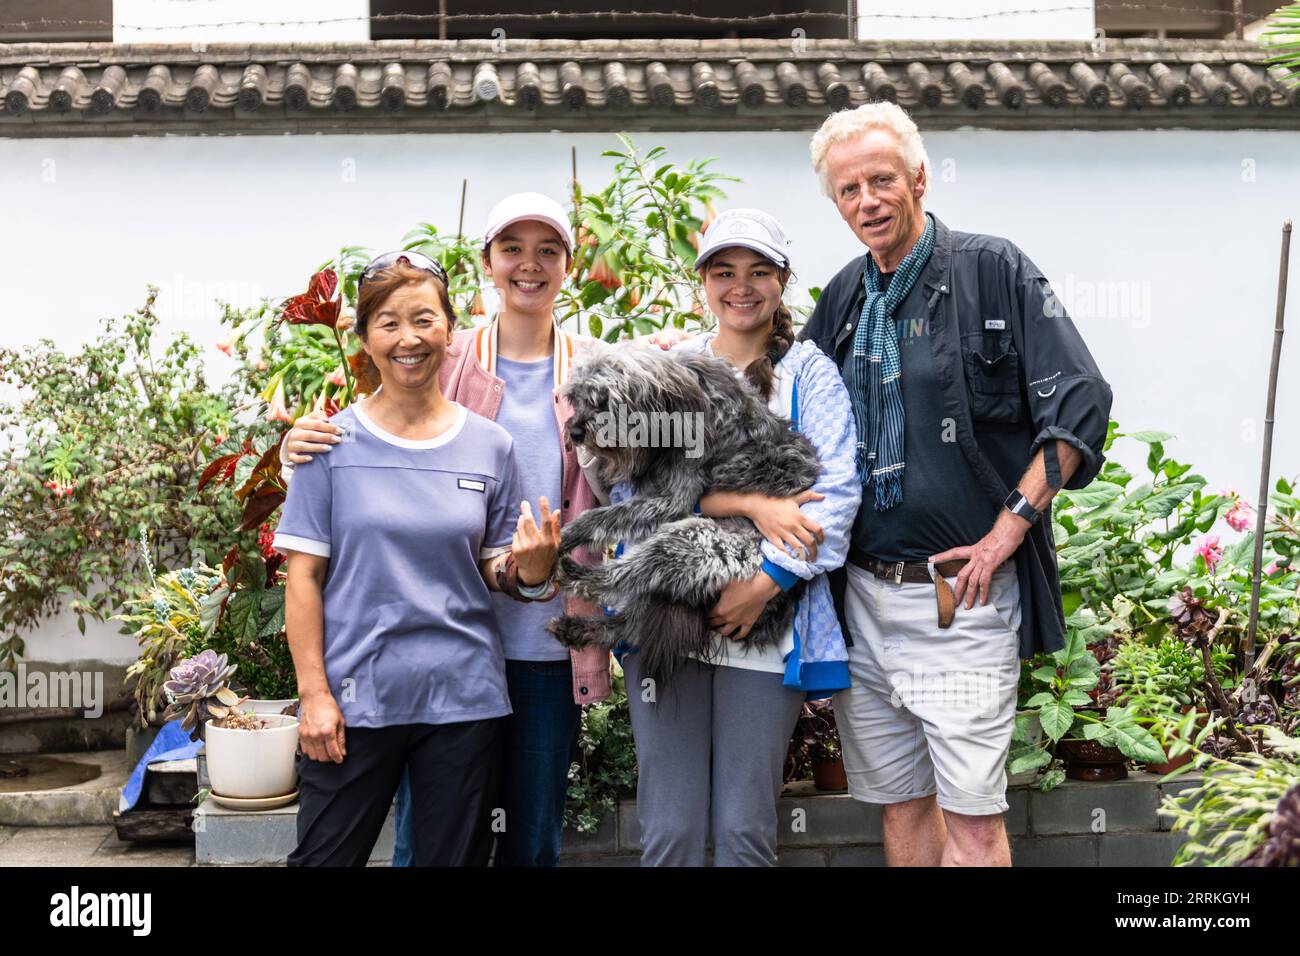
[711, 746]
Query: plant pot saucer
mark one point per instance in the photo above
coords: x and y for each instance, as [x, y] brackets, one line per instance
[253, 803]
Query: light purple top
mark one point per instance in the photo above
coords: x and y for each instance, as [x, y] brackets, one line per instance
[410, 634]
[527, 414]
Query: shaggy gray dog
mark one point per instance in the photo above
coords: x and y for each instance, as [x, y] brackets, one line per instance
[664, 587]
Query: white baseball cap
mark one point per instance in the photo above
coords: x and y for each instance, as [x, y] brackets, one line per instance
[751, 228]
[523, 206]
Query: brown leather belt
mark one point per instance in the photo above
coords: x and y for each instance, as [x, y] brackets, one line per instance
[900, 572]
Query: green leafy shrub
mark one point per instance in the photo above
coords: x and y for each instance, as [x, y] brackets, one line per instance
[606, 769]
[103, 443]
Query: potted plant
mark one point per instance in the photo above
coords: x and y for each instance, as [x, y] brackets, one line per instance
[1164, 685]
[1081, 722]
[249, 756]
[815, 748]
[1026, 756]
[185, 612]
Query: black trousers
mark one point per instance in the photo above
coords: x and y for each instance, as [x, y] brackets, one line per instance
[453, 768]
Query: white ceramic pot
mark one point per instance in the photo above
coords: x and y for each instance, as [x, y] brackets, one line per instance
[252, 706]
[253, 763]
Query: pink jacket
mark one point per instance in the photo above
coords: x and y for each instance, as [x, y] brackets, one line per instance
[468, 377]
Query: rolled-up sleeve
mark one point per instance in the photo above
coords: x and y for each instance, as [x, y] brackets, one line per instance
[306, 518]
[826, 420]
[502, 507]
[1069, 400]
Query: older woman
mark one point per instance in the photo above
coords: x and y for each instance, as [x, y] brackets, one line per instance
[394, 542]
[510, 371]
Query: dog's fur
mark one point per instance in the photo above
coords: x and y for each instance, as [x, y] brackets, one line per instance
[664, 588]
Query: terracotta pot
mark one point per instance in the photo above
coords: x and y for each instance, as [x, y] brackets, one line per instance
[1169, 766]
[829, 775]
[1089, 760]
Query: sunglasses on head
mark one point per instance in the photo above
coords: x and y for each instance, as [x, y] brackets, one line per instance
[416, 260]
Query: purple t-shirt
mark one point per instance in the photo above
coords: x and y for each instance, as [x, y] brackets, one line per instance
[527, 412]
[410, 634]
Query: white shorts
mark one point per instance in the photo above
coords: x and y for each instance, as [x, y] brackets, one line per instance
[930, 710]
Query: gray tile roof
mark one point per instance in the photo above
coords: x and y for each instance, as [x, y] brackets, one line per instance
[428, 85]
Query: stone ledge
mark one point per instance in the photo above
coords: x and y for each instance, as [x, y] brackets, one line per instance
[225, 837]
[835, 830]
[1076, 807]
[81, 804]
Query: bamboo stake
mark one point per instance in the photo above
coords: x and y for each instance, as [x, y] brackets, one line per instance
[460, 222]
[1261, 511]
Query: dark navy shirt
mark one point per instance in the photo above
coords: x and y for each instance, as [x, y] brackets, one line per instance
[944, 505]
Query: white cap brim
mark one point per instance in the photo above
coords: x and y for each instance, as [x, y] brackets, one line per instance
[767, 250]
[562, 228]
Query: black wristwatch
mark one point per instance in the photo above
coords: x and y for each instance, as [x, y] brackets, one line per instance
[1019, 505]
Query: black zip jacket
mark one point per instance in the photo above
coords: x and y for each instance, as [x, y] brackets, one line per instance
[1014, 374]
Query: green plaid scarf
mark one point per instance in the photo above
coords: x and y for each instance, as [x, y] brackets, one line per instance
[876, 383]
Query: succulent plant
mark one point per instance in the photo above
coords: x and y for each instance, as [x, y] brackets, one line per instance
[1259, 710]
[198, 690]
[1282, 846]
[1192, 622]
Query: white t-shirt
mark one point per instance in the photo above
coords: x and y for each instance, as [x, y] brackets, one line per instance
[726, 652]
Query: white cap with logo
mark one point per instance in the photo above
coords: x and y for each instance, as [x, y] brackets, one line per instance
[524, 206]
[751, 228]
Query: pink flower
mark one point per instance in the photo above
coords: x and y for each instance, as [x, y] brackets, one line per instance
[1209, 549]
[276, 410]
[228, 346]
[337, 378]
[1271, 570]
[1238, 516]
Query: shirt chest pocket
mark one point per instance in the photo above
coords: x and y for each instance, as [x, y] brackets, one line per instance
[992, 368]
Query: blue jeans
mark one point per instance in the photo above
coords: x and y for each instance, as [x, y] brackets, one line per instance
[539, 739]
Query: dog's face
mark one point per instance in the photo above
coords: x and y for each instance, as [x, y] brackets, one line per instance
[626, 402]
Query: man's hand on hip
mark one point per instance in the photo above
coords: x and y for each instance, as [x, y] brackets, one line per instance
[984, 557]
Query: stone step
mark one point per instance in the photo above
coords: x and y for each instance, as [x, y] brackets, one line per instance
[224, 837]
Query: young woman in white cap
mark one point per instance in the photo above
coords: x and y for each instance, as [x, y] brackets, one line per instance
[711, 746]
[509, 371]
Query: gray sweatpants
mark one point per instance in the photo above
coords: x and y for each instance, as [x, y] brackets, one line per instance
[710, 749]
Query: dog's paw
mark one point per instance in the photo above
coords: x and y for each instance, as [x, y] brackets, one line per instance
[568, 571]
[575, 534]
[573, 631]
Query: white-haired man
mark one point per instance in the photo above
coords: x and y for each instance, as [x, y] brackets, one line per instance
[976, 400]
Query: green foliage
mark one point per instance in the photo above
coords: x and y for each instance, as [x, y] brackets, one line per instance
[1125, 547]
[606, 770]
[1228, 816]
[179, 617]
[103, 443]
[1283, 41]
[1059, 698]
[634, 271]
[1121, 544]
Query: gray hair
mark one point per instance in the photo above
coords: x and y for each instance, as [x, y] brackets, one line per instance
[848, 124]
